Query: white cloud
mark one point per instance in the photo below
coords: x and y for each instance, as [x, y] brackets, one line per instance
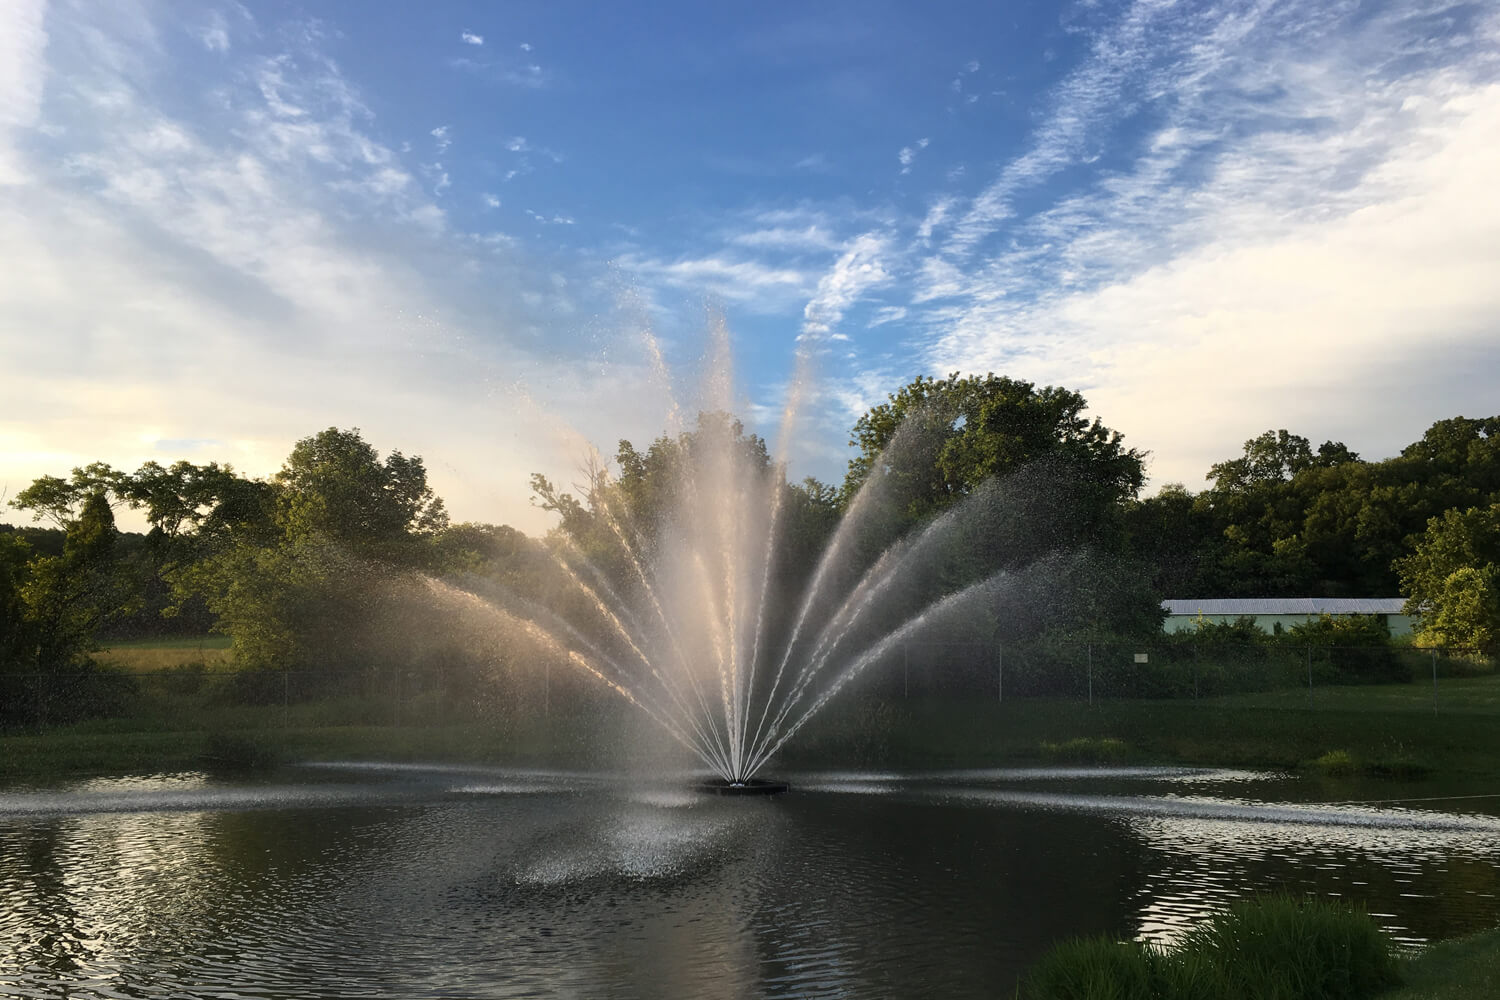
[751, 284]
[273, 239]
[490, 201]
[860, 268]
[810, 237]
[469, 38]
[1358, 311]
[23, 71]
[443, 139]
[215, 34]
[908, 154]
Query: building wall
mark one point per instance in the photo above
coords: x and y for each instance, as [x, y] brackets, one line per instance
[1399, 624]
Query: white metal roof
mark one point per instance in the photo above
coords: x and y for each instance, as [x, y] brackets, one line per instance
[1285, 606]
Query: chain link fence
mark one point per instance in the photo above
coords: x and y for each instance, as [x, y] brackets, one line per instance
[1098, 671]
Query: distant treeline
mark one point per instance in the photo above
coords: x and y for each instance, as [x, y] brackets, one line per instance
[329, 562]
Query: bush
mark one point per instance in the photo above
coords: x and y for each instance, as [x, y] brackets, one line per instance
[1352, 649]
[1339, 763]
[84, 691]
[1097, 969]
[1087, 750]
[1274, 948]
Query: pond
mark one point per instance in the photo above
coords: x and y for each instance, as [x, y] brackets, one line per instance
[366, 880]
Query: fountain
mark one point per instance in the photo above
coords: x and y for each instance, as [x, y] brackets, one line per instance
[674, 573]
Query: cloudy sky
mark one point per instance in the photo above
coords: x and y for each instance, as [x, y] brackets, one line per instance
[226, 226]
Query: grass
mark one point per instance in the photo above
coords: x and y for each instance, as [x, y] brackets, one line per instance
[1375, 726]
[147, 655]
[1273, 948]
[1464, 969]
[1363, 731]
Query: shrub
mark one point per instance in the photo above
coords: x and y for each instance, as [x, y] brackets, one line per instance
[1338, 763]
[1282, 948]
[1272, 948]
[1096, 969]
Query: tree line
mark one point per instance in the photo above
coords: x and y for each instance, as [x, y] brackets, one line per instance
[293, 567]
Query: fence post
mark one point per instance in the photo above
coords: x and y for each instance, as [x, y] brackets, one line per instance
[1434, 682]
[1091, 673]
[1000, 672]
[905, 670]
[1309, 674]
[1195, 672]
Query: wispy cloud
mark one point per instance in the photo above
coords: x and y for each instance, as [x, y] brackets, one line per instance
[857, 270]
[1286, 201]
[754, 285]
[443, 139]
[908, 154]
[214, 34]
[526, 75]
[469, 38]
[23, 46]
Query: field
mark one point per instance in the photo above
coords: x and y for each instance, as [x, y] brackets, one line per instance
[146, 655]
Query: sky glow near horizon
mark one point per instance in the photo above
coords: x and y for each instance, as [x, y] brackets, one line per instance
[224, 227]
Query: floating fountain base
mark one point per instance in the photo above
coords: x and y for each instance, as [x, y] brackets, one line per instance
[755, 786]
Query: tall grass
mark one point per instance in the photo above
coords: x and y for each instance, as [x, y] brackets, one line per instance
[1271, 948]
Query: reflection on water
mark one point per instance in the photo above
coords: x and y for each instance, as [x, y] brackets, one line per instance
[481, 882]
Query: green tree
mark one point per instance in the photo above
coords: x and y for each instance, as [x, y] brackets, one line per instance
[334, 485]
[61, 501]
[294, 569]
[976, 427]
[16, 643]
[68, 597]
[1452, 579]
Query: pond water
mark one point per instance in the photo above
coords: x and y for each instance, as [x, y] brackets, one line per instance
[371, 880]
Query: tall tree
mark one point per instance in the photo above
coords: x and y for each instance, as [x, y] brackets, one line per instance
[334, 485]
[1452, 579]
[976, 427]
[68, 597]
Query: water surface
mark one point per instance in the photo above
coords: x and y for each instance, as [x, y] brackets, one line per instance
[374, 880]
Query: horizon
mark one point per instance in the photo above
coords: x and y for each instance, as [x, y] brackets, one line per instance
[228, 229]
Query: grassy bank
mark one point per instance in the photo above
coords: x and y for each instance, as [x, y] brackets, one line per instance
[1274, 948]
[1464, 969]
[1383, 731]
[1380, 729]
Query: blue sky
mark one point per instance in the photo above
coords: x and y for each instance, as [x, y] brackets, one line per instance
[224, 226]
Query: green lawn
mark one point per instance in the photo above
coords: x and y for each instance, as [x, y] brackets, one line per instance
[1384, 730]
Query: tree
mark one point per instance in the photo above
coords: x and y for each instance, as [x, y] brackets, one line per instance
[68, 597]
[334, 485]
[61, 501]
[1452, 579]
[16, 642]
[961, 431]
[297, 588]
